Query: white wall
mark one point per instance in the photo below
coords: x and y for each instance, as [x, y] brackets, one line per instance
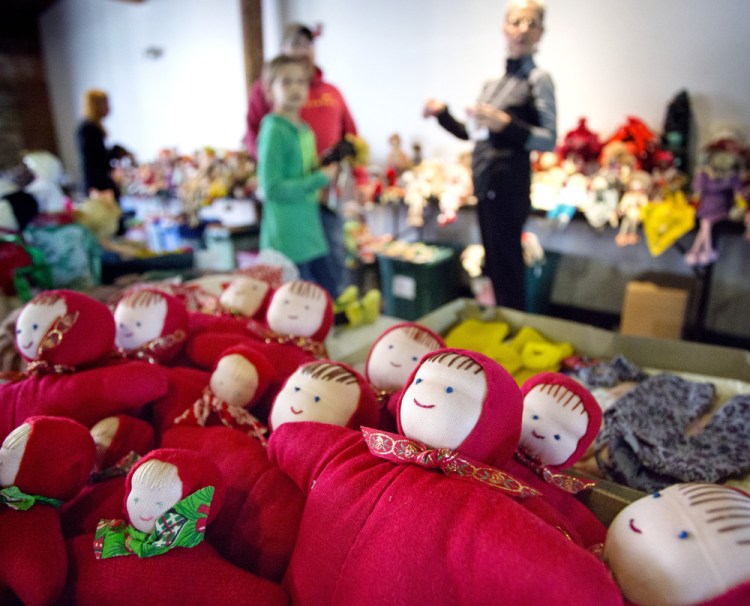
[609, 59]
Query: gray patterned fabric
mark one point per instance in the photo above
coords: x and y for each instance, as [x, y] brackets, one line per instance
[609, 374]
[644, 441]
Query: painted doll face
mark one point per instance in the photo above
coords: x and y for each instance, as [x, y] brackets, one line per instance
[554, 421]
[244, 296]
[11, 454]
[235, 380]
[156, 488]
[103, 433]
[34, 322]
[139, 324]
[683, 545]
[442, 404]
[310, 397]
[295, 311]
[393, 358]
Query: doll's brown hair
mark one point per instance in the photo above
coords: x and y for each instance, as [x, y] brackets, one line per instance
[142, 298]
[329, 371]
[460, 361]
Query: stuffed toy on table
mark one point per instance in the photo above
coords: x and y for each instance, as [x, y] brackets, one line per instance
[43, 462]
[299, 318]
[392, 358]
[686, 545]
[67, 339]
[561, 419]
[428, 516]
[158, 554]
[120, 441]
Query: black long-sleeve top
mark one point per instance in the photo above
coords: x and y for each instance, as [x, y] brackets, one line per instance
[95, 157]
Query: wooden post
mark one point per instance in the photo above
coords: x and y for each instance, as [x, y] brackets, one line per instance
[252, 39]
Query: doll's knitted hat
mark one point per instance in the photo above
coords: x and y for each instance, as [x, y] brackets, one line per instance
[82, 329]
[58, 458]
[495, 436]
[195, 471]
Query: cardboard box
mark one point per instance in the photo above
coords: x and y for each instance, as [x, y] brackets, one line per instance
[650, 310]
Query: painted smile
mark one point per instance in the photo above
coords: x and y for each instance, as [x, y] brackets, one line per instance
[295, 411]
[292, 317]
[633, 527]
[145, 518]
[395, 365]
[27, 346]
[423, 405]
[536, 435]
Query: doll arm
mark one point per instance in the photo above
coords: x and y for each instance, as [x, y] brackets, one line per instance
[303, 450]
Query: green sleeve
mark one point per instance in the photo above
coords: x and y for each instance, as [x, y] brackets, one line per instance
[280, 173]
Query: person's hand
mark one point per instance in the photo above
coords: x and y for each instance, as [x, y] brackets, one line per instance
[331, 171]
[486, 115]
[433, 107]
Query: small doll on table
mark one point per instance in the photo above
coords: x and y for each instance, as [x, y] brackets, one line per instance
[66, 338]
[172, 497]
[716, 186]
[44, 462]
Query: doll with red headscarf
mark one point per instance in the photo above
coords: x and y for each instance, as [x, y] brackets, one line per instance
[120, 441]
[299, 318]
[158, 553]
[43, 462]
[66, 338]
[561, 419]
[257, 527]
[428, 515]
[392, 358]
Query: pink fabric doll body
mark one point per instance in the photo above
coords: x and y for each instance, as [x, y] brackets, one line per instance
[400, 532]
[43, 462]
[392, 358]
[120, 441]
[686, 545]
[158, 554]
[560, 421]
[299, 318]
[65, 337]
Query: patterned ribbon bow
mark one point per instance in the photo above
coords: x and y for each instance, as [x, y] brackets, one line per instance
[184, 525]
[563, 481]
[121, 468]
[149, 350]
[230, 416]
[401, 449]
[14, 498]
[316, 348]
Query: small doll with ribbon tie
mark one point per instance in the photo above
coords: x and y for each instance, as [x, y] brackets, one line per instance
[299, 318]
[120, 441]
[158, 553]
[428, 515]
[392, 358]
[43, 462]
[151, 325]
[685, 545]
[67, 338]
[561, 420]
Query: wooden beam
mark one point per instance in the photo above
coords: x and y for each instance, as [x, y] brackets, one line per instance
[252, 39]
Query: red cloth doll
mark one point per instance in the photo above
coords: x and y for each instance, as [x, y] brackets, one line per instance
[43, 462]
[560, 421]
[392, 358]
[158, 554]
[299, 318]
[399, 531]
[150, 325]
[65, 337]
[686, 545]
[120, 441]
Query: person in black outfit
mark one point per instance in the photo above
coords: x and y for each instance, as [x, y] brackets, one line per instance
[514, 115]
[95, 157]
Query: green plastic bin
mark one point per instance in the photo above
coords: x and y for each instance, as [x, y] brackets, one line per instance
[411, 290]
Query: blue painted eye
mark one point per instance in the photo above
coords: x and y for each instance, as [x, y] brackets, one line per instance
[557, 436]
[656, 495]
[138, 324]
[316, 399]
[414, 358]
[683, 534]
[535, 417]
[296, 389]
[307, 307]
[18, 331]
[418, 381]
[390, 347]
[448, 389]
[35, 326]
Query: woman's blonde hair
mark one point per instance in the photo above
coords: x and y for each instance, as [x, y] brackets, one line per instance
[92, 102]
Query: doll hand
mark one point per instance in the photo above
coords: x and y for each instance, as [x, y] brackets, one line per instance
[433, 107]
[488, 116]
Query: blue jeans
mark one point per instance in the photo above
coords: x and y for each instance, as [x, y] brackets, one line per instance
[333, 226]
[319, 271]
